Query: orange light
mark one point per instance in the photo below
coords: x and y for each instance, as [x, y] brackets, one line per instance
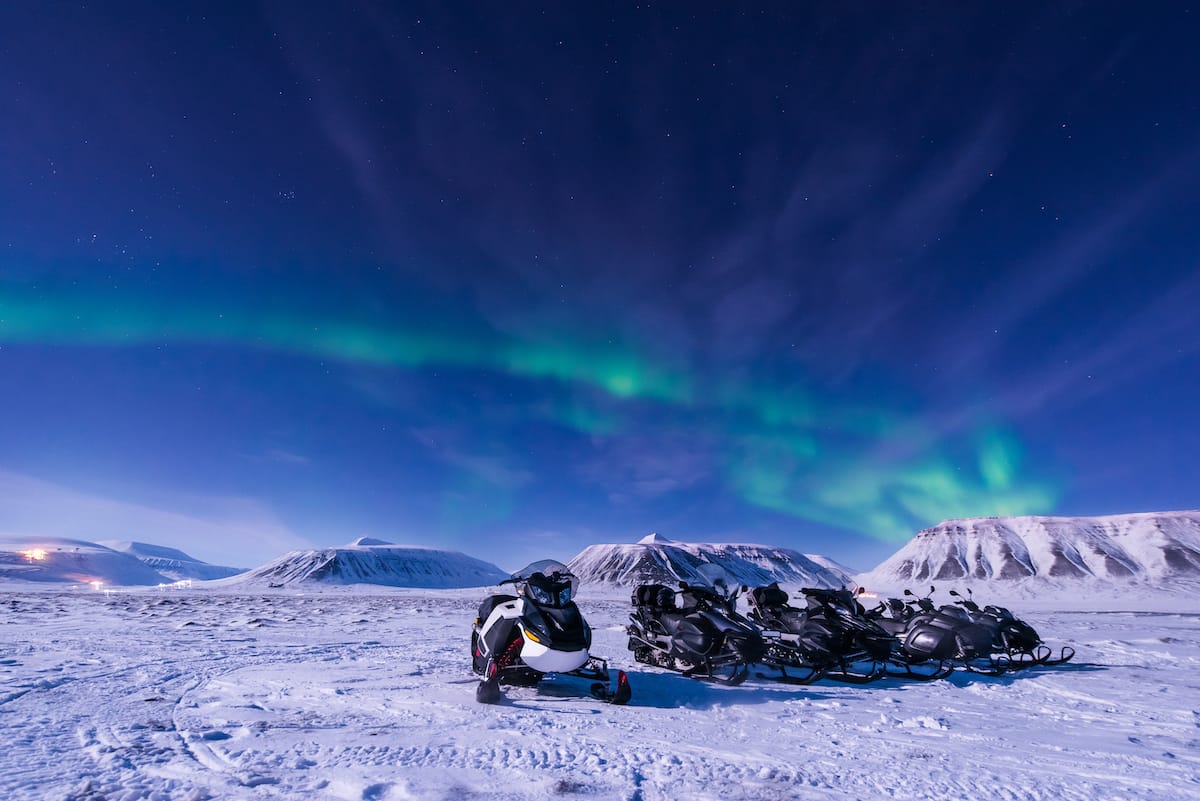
[34, 554]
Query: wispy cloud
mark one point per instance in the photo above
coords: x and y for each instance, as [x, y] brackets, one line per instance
[1165, 331]
[446, 445]
[241, 532]
[648, 466]
[1050, 274]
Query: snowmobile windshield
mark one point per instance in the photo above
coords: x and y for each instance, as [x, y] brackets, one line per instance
[547, 583]
[718, 580]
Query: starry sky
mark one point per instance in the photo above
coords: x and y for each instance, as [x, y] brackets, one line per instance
[513, 279]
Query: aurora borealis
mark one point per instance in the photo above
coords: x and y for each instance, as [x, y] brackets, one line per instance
[518, 281]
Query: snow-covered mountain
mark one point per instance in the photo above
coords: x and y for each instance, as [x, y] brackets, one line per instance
[825, 561]
[1150, 547]
[371, 561]
[67, 561]
[657, 559]
[170, 562]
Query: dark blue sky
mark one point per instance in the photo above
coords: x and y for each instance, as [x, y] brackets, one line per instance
[515, 279]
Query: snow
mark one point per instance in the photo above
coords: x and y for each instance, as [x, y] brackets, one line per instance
[344, 694]
[825, 561]
[368, 542]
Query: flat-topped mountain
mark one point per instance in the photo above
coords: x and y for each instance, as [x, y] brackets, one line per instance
[371, 561]
[1153, 546]
[658, 559]
[171, 562]
[69, 561]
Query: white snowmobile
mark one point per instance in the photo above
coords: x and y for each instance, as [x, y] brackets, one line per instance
[518, 639]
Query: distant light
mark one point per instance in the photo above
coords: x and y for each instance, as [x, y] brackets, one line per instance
[868, 595]
[97, 584]
[34, 554]
[182, 584]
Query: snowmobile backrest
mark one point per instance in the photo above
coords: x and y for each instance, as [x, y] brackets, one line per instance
[654, 596]
[897, 607]
[769, 595]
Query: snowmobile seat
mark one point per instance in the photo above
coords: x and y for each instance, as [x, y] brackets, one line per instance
[769, 596]
[656, 597]
[490, 603]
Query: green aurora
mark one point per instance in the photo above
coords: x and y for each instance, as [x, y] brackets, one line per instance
[782, 450]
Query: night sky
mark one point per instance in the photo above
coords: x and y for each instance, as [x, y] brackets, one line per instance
[513, 279]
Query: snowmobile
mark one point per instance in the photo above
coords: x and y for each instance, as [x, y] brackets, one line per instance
[1012, 637]
[830, 638]
[519, 639]
[695, 630]
[947, 634]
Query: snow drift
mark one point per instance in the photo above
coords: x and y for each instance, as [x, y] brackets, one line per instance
[67, 561]
[1151, 548]
[370, 561]
[172, 563]
[657, 559]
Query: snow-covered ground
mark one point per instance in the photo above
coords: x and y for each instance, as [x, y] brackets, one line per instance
[347, 695]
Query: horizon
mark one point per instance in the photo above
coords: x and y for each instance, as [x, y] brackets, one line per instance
[523, 279]
[853, 569]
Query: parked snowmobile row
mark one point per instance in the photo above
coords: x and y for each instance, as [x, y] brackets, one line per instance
[697, 630]
[832, 637]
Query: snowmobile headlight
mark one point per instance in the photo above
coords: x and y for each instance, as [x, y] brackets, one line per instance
[540, 595]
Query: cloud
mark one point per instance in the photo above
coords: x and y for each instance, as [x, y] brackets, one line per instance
[241, 532]
[648, 465]
[284, 456]
[445, 444]
[1074, 256]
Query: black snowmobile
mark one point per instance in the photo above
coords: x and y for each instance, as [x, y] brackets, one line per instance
[518, 639]
[945, 634]
[695, 630]
[1013, 639]
[830, 638]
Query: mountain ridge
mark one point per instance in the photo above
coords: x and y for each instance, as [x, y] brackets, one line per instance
[656, 559]
[1151, 547]
[171, 562]
[63, 560]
